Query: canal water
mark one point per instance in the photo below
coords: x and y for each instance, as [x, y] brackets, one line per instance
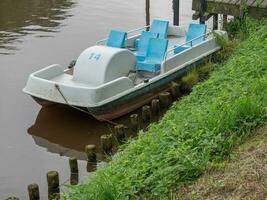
[37, 33]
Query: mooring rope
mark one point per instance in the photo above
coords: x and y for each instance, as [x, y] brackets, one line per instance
[77, 108]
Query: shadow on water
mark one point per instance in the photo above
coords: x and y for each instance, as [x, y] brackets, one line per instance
[66, 131]
[23, 17]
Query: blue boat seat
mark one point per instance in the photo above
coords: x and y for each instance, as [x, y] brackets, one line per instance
[194, 31]
[154, 56]
[143, 44]
[116, 39]
[160, 27]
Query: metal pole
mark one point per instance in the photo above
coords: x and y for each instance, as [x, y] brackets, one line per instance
[176, 12]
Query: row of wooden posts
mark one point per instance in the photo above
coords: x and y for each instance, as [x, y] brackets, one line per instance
[107, 143]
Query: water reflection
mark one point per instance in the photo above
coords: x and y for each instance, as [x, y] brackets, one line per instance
[23, 17]
[66, 131]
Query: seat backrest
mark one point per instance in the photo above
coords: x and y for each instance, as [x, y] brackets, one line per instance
[144, 40]
[195, 31]
[160, 27]
[116, 39]
[156, 50]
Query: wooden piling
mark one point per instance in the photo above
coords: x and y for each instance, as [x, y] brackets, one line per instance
[73, 165]
[134, 121]
[74, 178]
[165, 99]
[155, 107]
[202, 10]
[176, 12]
[53, 185]
[147, 13]
[224, 21]
[146, 114]
[106, 143]
[215, 22]
[175, 90]
[33, 191]
[120, 133]
[90, 151]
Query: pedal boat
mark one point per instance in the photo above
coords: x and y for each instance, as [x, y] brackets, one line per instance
[112, 78]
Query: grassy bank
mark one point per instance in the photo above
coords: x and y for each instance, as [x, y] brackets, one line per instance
[197, 130]
[242, 176]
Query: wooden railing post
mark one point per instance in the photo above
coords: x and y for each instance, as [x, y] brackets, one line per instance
[176, 12]
[202, 10]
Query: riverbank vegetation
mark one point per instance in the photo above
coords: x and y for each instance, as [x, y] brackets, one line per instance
[197, 130]
[242, 176]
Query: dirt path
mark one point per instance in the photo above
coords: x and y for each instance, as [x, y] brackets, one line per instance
[242, 176]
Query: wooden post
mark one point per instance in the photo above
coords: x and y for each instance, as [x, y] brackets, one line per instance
[175, 90]
[147, 13]
[202, 10]
[90, 151]
[91, 166]
[120, 133]
[106, 143]
[134, 121]
[155, 107]
[33, 191]
[74, 171]
[164, 99]
[53, 185]
[176, 12]
[224, 21]
[146, 114]
[73, 165]
[215, 22]
[74, 178]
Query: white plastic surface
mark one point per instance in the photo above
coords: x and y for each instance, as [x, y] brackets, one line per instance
[98, 65]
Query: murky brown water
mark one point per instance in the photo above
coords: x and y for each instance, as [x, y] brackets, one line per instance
[34, 34]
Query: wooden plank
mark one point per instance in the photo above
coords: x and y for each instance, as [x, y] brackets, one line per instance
[257, 10]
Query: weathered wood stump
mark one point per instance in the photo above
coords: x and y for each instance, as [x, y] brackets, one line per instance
[120, 133]
[155, 108]
[146, 114]
[33, 191]
[74, 171]
[90, 151]
[134, 121]
[224, 21]
[73, 165]
[106, 143]
[215, 22]
[74, 178]
[91, 166]
[165, 99]
[53, 185]
[175, 90]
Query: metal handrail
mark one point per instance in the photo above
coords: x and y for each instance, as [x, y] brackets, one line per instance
[191, 43]
[131, 31]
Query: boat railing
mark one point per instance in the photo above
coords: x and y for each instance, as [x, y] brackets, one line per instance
[186, 44]
[100, 42]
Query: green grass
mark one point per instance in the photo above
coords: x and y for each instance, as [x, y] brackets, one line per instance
[200, 128]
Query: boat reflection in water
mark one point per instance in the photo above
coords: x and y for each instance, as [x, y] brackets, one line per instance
[23, 17]
[66, 131]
